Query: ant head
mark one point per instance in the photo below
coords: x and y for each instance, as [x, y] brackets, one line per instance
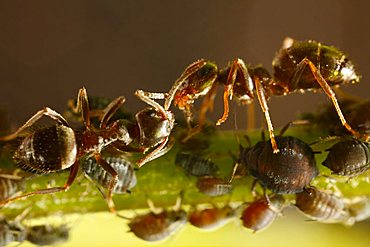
[154, 126]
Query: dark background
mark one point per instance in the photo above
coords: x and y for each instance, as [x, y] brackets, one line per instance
[49, 49]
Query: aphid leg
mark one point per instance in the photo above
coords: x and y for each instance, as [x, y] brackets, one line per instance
[235, 168]
[253, 188]
[83, 107]
[44, 112]
[112, 183]
[179, 200]
[71, 178]
[263, 103]
[330, 93]
[110, 110]
[157, 152]
[148, 97]
[292, 123]
[152, 207]
[182, 81]
[266, 197]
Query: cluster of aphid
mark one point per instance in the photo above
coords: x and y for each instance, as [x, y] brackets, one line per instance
[283, 164]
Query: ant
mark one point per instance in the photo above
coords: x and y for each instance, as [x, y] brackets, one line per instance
[59, 147]
[298, 66]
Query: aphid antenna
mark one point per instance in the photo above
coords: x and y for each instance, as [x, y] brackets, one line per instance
[293, 123]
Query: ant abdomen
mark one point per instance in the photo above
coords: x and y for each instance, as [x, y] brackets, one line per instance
[321, 206]
[47, 150]
[124, 168]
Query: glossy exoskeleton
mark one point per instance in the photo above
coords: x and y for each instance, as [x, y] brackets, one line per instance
[47, 234]
[158, 224]
[348, 158]
[260, 214]
[214, 186]
[125, 170]
[196, 165]
[298, 66]
[286, 172]
[10, 185]
[322, 206]
[59, 147]
[211, 218]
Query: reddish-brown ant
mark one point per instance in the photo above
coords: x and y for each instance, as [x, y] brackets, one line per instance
[59, 147]
[298, 66]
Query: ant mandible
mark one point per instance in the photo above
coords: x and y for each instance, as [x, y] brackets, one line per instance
[298, 66]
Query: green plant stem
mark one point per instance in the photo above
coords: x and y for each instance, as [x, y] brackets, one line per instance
[162, 181]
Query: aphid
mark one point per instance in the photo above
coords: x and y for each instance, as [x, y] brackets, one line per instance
[214, 186]
[348, 158]
[260, 214]
[358, 208]
[10, 185]
[11, 231]
[298, 66]
[126, 175]
[211, 218]
[322, 206]
[158, 224]
[196, 165]
[59, 147]
[47, 234]
[286, 172]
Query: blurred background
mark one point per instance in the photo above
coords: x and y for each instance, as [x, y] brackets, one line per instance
[49, 49]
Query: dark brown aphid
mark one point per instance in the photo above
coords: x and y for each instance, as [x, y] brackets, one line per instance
[214, 186]
[260, 214]
[211, 218]
[286, 172]
[59, 147]
[124, 168]
[196, 165]
[322, 206]
[348, 158]
[298, 66]
[10, 185]
[158, 224]
[47, 234]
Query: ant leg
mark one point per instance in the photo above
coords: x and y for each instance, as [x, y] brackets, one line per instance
[44, 112]
[251, 116]
[110, 110]
[83, 106]
[148, 97]
[107, 167]
[330, 93]
[179, 83]
[157, 152]
[263, 103]
[71, 178]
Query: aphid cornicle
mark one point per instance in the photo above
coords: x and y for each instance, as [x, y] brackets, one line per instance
[286, 172]
[196, 165]
[211, 218]
[126, 175]
[260, 214]
[158, 224]
[298, 66]
[59, 147]
[348, 158]
[10, 185]
[322, 206]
